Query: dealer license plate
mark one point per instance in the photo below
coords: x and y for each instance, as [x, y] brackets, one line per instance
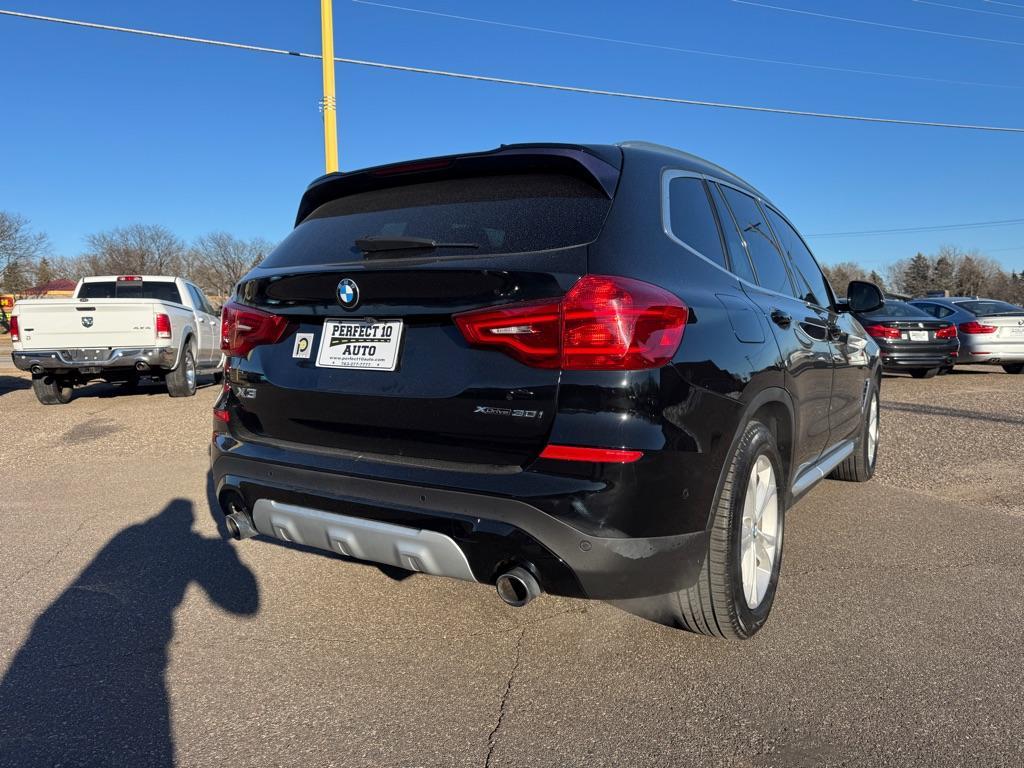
[370, 345]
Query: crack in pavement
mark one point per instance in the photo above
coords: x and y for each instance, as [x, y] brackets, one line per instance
[492, 738]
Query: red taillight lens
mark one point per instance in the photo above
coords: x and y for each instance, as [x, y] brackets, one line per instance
[601, 324]
[883, 331]
[15, 331]
[973, 326]
[244, 328]
[163, 326]
[946, 332]
[599, 455]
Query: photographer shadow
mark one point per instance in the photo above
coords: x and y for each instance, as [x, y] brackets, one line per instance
[88, 686]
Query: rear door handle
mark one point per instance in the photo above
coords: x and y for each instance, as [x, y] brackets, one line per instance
[780, 318]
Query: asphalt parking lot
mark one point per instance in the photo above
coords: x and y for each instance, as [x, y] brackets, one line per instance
[132, 634]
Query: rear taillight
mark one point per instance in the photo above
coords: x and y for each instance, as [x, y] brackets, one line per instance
[163, 326]
[883, 331]
[244, 328]
[946, 332]
[973, 326]
[602, 324]
[15, 331]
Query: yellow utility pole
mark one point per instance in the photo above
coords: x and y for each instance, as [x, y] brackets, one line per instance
[330, 104]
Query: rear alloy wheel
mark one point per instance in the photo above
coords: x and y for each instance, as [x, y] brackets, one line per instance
[923, 373]
[736, 586]
[50, 390]
[859, 467]
[1014, 367]
[181, 382]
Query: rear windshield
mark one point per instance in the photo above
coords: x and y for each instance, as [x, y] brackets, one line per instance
[499, 214]
[895, 309]
[983, 307]
[113, 289]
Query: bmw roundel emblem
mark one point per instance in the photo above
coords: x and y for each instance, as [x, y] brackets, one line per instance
[348, 293]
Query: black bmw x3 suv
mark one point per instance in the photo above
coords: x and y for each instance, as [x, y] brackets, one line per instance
[596, 371]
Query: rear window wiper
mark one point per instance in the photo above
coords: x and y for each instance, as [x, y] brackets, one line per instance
[374, 243]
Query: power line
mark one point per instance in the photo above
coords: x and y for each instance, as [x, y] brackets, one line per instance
[675, 49]
[970, 10]
[933, 228]
[1012, 5]
[879, 23]
[532, 84]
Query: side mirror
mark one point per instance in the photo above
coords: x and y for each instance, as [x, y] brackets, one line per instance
[863, 296]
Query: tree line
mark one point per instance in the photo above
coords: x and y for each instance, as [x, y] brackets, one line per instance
[214, 262]
[962, 273]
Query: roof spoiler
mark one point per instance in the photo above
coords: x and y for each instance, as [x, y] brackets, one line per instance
[599, 166]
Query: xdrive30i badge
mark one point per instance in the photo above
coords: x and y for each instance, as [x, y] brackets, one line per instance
[348, 293]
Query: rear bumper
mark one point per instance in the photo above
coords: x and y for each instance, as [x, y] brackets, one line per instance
[494, 532]
[94, 360]
[991, 354]
[935, 356]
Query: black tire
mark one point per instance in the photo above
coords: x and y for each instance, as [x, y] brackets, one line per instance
[1014, 367]
[715, 605]
[181, 382]
[923, 373]
[218, 376]
[859, 466]
[50, 390]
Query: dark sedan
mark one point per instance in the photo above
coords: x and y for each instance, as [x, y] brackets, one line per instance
[911, 340]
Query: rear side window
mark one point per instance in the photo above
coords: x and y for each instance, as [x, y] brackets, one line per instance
[891, 308]
[113, 289]
[497, 214]
[768, 264]
[810, 281]
[739, 261]
[935, 310]
[692, 220]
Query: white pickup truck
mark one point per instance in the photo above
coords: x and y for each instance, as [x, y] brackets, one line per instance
[118, 328]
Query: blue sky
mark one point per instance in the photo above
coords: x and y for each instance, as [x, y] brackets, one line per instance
[100, 129]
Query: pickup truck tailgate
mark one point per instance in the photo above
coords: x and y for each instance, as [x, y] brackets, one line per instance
[75, 324]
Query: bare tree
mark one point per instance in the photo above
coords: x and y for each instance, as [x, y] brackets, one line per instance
[135, 250]
[219, 260]
[839, 275]
[19, 249]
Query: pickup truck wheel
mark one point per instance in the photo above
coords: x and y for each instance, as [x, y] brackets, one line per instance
[50, 390]
[736, 586]
[859, 467]
[1014, 367]
[181, 382]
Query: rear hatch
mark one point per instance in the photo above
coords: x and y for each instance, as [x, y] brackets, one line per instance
[999, 325]
[95, 324]
[370, 360]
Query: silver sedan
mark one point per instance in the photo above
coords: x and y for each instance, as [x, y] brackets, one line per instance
[991, 331]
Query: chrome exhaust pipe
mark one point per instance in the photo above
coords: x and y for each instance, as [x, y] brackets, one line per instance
[517, 587]
[37, 369]
[141, 366]
[240, 526]
[237, 519]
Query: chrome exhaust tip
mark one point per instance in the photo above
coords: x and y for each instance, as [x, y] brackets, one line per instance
[141, 366]
[37, 369]
[517, 587]
[240, 526]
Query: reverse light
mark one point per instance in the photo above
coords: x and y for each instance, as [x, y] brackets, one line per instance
[946, 332]
[602, 324]
[15, 330]
[163, 326]
[883, 332]
[973, 327]
[598, 455]
[243, 328]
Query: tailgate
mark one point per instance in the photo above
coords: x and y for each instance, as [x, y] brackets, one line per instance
[494, 239]
[97, 323]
